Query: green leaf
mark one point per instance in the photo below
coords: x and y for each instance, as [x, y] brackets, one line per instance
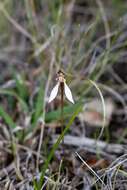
[38, 105]
[7, 118]
[55, 115]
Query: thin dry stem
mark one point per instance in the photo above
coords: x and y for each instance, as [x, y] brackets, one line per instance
[45, 96]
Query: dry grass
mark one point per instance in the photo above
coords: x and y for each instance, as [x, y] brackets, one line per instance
[86, 39]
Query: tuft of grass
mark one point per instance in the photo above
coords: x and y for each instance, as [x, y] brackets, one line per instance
[12, 93]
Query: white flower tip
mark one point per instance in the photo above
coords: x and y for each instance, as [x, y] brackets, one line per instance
[49, 100]
[68, 93]
[72, 101]
[53, 93]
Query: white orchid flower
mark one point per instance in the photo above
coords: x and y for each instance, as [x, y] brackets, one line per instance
[61, 84]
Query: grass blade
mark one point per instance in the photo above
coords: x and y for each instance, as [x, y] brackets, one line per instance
[103, 105]
[7, 118]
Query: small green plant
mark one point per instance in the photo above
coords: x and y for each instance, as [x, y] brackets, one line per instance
[61, 83]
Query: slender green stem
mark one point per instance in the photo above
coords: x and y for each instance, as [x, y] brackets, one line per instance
[55, 146]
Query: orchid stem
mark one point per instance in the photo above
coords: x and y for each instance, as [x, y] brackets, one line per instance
[62, 103]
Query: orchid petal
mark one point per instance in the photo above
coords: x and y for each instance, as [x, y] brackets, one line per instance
[53, 93]
[68, 93]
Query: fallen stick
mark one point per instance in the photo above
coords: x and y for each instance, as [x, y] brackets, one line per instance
[92, 143]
